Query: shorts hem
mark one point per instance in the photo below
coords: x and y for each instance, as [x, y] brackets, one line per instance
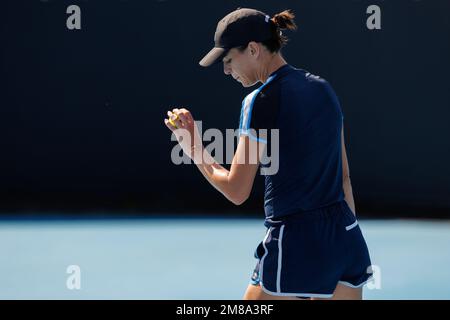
[286, 294]
[348, 284]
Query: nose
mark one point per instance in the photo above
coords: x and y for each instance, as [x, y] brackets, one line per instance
[226, 69]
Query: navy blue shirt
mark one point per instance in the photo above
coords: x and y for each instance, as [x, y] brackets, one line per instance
[307, 113]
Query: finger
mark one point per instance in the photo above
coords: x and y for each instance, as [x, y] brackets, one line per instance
[184, 120]
[173, 119]
[169, 125]
[175, 111]
[172, 115]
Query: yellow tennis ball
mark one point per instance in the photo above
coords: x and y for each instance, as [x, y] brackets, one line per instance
[173, 123]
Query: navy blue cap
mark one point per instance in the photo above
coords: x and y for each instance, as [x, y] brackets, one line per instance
[236, 29]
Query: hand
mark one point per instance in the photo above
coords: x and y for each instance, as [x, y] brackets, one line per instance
[185, 130]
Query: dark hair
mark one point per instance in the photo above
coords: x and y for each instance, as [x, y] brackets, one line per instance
[281, 21]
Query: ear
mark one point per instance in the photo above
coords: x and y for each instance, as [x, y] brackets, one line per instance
[253, 49]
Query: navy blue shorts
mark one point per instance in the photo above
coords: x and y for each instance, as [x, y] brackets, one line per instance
[309, 253]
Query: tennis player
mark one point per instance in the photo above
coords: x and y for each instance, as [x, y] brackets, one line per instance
[313, 247]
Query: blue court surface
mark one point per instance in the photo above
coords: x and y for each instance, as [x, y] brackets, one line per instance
[196, 258]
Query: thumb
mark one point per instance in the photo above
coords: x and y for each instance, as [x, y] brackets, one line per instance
[169, 125]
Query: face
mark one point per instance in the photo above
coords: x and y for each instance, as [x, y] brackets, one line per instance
[240, 65]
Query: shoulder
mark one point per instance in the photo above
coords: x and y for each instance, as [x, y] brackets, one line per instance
[316, 82]
[307, 79]
[320, 92]
[260, 107]
[263, 97]
[315, 85]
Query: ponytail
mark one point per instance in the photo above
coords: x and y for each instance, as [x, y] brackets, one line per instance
[285, 20]
[281, 21]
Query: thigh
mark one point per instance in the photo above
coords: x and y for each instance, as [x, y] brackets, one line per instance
[255, 292]
[343, 292]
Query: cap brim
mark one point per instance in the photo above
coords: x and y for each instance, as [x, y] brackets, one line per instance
[214, 56]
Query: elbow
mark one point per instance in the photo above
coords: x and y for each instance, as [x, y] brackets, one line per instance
[347, 185]
[239, 190]
[346, 179]
[239, 198]
[238, 202]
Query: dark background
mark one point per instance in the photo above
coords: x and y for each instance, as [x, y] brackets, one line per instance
[82, 110]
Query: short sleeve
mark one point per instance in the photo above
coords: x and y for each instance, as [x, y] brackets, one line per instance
[258, 115]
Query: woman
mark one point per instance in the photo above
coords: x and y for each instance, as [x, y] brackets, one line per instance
[313, 247]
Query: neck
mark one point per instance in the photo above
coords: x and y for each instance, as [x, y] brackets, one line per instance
[274, 62]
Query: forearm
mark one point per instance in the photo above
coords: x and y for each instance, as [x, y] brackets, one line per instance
[216, 175]
[349, 194]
